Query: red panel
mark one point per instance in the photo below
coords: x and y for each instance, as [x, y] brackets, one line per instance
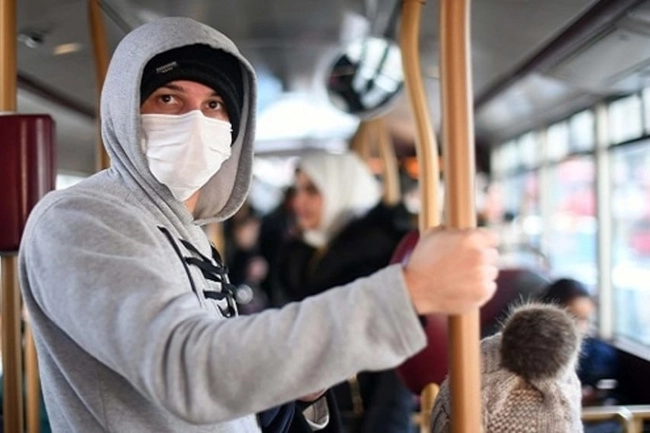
[27, 171]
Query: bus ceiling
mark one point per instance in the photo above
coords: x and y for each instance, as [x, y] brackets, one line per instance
[532, 61]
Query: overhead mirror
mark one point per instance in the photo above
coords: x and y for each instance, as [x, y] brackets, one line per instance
[366, 78]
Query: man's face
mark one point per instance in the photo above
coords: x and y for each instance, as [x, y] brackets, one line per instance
[180, 97]
[307, 203]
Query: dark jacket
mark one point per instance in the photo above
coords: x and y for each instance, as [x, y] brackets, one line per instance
[287, 418]
[364, 246]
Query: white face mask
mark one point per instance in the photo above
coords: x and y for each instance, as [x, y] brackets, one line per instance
[185, 151]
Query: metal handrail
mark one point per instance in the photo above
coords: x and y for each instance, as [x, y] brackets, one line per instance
[101, 56]
[11, 321]
[425, 139]
[605, 413]
[631, 417]
[427, 400]
[640, 413]
[460, 212]
[386, 150]
[458, 125]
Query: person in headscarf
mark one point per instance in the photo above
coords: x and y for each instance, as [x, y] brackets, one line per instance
[347, 233]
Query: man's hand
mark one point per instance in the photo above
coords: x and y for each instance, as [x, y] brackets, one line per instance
[452, 271]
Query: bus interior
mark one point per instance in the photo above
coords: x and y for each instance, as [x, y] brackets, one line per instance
[561, 102]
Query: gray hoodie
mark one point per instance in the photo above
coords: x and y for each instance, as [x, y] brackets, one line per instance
[125, 344]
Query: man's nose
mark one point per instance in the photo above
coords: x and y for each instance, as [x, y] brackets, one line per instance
[192, 104]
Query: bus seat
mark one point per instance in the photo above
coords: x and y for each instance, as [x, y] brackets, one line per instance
[514, 286]
[429, 365]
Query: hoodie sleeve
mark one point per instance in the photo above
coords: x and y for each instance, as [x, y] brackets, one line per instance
[110, 284]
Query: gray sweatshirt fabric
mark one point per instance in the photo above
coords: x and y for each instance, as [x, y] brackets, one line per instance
[124, 344]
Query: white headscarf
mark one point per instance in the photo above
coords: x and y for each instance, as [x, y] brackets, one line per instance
[348, 189]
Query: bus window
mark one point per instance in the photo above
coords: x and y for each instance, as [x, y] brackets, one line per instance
[631, 240]
[571, 237]
[582, 131]
[625, 119]
[557, 142]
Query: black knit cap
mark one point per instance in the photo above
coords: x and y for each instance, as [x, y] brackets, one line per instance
[203, 64]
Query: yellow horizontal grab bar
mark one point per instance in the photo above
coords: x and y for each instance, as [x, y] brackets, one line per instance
[603, 413]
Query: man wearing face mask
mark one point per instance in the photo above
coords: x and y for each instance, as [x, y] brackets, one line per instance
[134, 320]
[192, 98]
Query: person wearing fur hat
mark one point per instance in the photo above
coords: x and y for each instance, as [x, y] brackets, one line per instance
[133, 314]
[528, 376]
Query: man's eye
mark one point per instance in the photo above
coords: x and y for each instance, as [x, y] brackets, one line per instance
[215, 105]
[166, 98]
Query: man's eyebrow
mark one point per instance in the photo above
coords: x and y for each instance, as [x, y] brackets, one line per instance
[178, 88]
[173, 87]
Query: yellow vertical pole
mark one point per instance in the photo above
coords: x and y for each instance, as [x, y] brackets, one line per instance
[458, 141]
[12, 373]
[360, 143]
[425, 141]
[101, 55]
[32, 383]
[371, 138]
[427, 401]
[8, 69]
[11, 338]
[387, 153]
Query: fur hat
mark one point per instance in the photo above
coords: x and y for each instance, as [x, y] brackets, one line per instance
[528, 376]
[209, 66]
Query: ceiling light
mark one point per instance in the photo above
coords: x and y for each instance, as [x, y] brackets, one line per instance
[68, 48]
[301, 116]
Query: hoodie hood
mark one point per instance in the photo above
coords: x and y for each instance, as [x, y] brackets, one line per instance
[121, 127]
[348, 187]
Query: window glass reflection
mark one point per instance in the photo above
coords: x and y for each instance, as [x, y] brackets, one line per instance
[520, 223]
[557, 142]
[571, 239]
[625, 119]
[529, 148]
[631, 241]
[582, 131]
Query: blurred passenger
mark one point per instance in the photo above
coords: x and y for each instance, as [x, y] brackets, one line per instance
[247, 268]
[347, 233]
[598, 361]
[277, 228]
[597, 366]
